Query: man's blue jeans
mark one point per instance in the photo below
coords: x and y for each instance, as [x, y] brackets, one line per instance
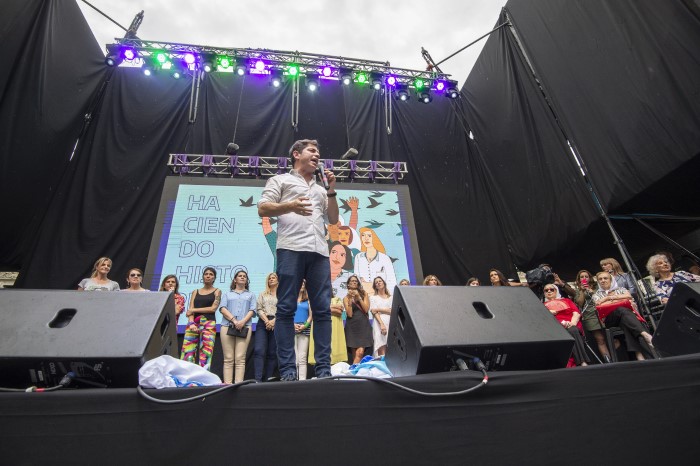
[292, 268]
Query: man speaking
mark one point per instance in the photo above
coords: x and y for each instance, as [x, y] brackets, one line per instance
[301, 205]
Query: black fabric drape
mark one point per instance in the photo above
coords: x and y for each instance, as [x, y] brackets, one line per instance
[624, 78]
[51, 69]
[536, 189]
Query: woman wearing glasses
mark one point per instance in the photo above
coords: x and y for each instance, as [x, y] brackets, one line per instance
[133, 280]
[568, 315]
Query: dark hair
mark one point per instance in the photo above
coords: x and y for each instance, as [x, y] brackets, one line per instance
[233, 280]
[502, 280]
[348, 254]
[472, 280]
[386, 290]
[360, 289]
[168, 277]
[299, 146]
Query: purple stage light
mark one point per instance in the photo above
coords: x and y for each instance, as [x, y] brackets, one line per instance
[440, 86]
[327, 71]
[260, 65]
[391, 80]
[189, 58]
[129, 54]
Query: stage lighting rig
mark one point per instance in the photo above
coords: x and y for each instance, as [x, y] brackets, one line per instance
[276, 77]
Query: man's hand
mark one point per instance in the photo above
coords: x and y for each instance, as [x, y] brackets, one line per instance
[301, 206]
[331, 179]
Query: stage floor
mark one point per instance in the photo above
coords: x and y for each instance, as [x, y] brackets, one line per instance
[627, 413]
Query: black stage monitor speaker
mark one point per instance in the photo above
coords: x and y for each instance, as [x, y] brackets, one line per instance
[102, 337]
[678, 331]
[507, 328]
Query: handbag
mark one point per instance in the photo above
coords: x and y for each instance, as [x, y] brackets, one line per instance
[234, 332]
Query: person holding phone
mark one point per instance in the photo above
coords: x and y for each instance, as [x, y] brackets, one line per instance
[585, 289]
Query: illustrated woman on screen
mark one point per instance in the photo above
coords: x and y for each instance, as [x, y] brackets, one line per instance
[373, 262]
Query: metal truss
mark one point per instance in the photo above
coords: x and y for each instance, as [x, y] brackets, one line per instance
[265, 167]
[277, 59]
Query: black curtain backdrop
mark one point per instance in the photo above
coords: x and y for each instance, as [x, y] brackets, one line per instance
[51, 68]
[624, 86]
[624, 78]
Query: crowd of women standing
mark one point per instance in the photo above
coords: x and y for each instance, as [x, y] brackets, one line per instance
[360, 320]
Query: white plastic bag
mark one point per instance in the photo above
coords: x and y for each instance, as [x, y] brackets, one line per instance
[166, 371]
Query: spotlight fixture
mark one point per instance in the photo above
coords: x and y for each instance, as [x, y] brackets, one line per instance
[440, 86]
[376, 80]
[190, 58]
[452, 91]
[113, 58]
[293, 71]
[327, 71]
[161, 58]
[148, 69]
[345, 76]
[425, 96]
[259, 66]
[241, 69]
[312, 82]
[129, 54]
[208, 62]
[361, 78]
[391, 81]
[276, 77]
[224, 63]
[421, 83]
[402, 92]
[177, 69]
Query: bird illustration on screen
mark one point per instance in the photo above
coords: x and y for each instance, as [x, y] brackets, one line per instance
[373, 203]
[247, 203]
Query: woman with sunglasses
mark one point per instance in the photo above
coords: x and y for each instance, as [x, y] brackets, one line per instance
[133, 280]
[568, 315]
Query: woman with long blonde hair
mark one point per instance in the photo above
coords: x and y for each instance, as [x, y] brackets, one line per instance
[373, 262]
[98, 280]
[265, 349]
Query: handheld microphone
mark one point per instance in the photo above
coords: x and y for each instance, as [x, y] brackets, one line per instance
[351, 154]
[322, 175]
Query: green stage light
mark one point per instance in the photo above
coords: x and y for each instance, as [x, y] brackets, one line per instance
[293, 71]
[419, 83]
[224, 63]
[361, 78]
[161, 57]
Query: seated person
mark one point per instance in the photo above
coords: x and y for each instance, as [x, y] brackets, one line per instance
[659, 267]
[568, 315]
[608, 292]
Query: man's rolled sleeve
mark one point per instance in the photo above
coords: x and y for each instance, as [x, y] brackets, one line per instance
[272, 192]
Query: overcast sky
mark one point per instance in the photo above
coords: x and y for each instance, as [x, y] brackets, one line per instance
[365, 29]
